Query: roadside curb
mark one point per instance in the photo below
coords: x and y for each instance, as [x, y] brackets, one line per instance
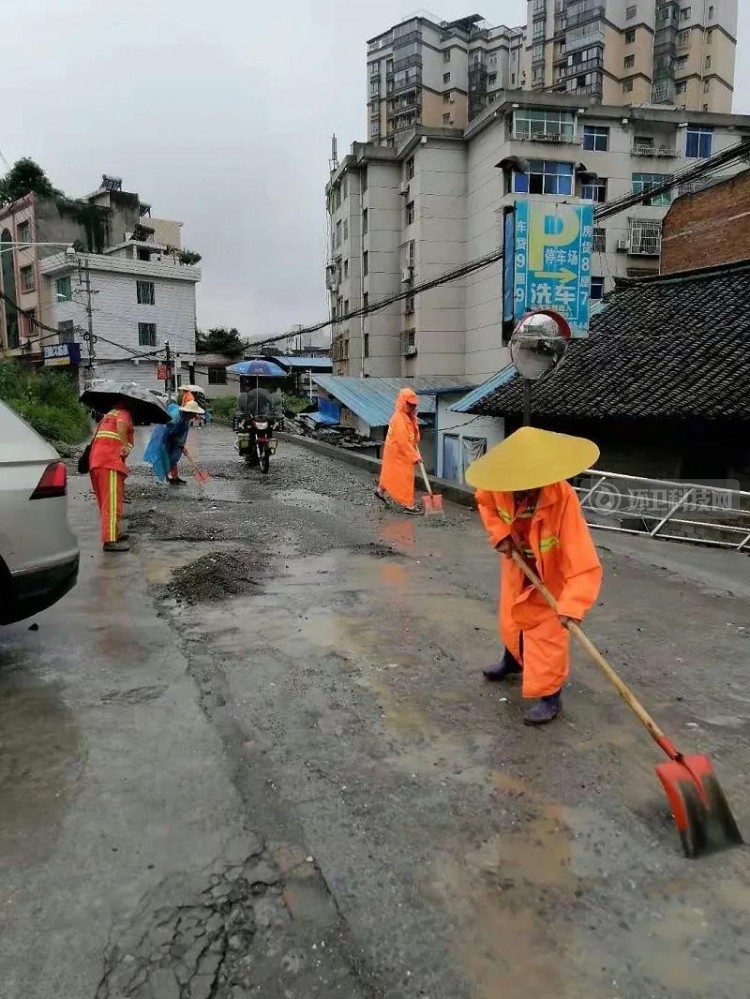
[449, 490]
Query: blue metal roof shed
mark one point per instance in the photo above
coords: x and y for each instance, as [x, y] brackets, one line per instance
[477, 394]
[373, 400]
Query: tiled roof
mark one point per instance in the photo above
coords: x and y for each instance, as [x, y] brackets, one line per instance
[672, 346]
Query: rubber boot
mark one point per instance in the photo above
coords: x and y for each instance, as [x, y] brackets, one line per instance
[544, 711]
[508, 666]
[116, 546]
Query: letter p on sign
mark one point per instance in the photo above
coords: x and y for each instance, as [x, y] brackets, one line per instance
[558, 230]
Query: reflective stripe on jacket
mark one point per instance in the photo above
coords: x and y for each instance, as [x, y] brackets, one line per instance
[559, 538]
[107, 445]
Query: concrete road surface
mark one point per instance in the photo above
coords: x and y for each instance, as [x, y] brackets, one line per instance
[255, 757]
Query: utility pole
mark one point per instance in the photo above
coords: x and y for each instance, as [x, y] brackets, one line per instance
[168, 379]
[89, 335]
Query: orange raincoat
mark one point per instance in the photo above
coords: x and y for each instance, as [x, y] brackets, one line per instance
[401, 452]
[112, 443]
[555, 536]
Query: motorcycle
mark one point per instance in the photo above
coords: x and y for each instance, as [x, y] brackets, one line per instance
[255, 441]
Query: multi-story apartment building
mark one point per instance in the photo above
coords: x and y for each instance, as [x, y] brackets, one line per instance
[402, 215]
[617, 52]
[678, 52]
[440, 75]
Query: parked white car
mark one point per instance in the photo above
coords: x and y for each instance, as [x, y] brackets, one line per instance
[38, 551]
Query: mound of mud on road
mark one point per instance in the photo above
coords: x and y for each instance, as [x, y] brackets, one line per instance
[216, 577]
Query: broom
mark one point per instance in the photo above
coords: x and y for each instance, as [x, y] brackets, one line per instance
[201, 476]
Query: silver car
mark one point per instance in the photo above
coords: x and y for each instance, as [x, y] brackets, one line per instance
[38, 551]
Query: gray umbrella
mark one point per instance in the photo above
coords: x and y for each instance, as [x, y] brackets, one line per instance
[142, 405]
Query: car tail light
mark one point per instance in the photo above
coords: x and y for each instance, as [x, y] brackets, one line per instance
[54, 481]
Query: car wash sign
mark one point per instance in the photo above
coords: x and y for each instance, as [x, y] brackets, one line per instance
[553, 261]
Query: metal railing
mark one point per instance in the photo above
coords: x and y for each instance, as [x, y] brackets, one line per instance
[565, 138]
[644, 149]
[704, 514]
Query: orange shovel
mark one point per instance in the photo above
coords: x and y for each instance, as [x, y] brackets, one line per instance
[432, 503]
[700, 809]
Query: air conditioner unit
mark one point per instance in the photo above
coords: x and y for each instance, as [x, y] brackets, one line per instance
[623, 244]
[453, 100]
[404, 187]
[406, 274]
[410, 351]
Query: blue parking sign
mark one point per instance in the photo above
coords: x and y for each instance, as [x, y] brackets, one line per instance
[553, 247]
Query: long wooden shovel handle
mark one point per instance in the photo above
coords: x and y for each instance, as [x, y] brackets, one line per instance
[585, 642]
[424, 476]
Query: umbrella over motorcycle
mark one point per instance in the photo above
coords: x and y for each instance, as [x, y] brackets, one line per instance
[143, 406]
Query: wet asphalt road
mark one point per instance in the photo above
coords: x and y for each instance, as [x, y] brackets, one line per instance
[254, 757]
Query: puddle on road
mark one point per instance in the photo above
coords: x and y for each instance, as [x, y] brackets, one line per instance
[40, 745]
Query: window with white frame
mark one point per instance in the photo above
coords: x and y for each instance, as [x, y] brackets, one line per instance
[699, 141]
[595, 190]
[545, 177]
[645, 237]
[596, 138]
[529, 123]
[600, 239]
[642, 181]
[597, 289]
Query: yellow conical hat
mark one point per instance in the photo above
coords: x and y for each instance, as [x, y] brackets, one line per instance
[531, 458]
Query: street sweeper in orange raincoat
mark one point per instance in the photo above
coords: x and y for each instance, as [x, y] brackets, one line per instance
[401, 452]
[112, 443]
[527, 504]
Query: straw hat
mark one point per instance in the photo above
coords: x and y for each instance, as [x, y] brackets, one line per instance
[192, 407]
[531, 458]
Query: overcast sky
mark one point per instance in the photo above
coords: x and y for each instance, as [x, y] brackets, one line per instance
[219, 113]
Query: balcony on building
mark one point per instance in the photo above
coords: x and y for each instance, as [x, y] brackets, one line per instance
[653, 146]
[664, 91]
[584, 37]
[582, 13]
[551, 126]
[539, 10]
[381, 42]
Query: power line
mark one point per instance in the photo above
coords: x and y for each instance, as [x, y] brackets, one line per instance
[724, 158]
[76, 329]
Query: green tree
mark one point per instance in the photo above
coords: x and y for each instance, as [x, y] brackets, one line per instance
[24, 177]
[220, 340]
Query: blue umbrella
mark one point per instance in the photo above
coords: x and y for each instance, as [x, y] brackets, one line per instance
[257, 369]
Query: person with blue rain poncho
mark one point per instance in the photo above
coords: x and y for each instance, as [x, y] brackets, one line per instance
[167, 443]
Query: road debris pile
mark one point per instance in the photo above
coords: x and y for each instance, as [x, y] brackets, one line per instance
[217, 576]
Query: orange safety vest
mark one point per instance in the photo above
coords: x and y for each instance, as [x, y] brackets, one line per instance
[107, 445]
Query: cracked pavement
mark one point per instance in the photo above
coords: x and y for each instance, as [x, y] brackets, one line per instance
[254, 757]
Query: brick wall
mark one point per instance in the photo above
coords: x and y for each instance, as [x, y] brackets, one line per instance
[708, 228]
